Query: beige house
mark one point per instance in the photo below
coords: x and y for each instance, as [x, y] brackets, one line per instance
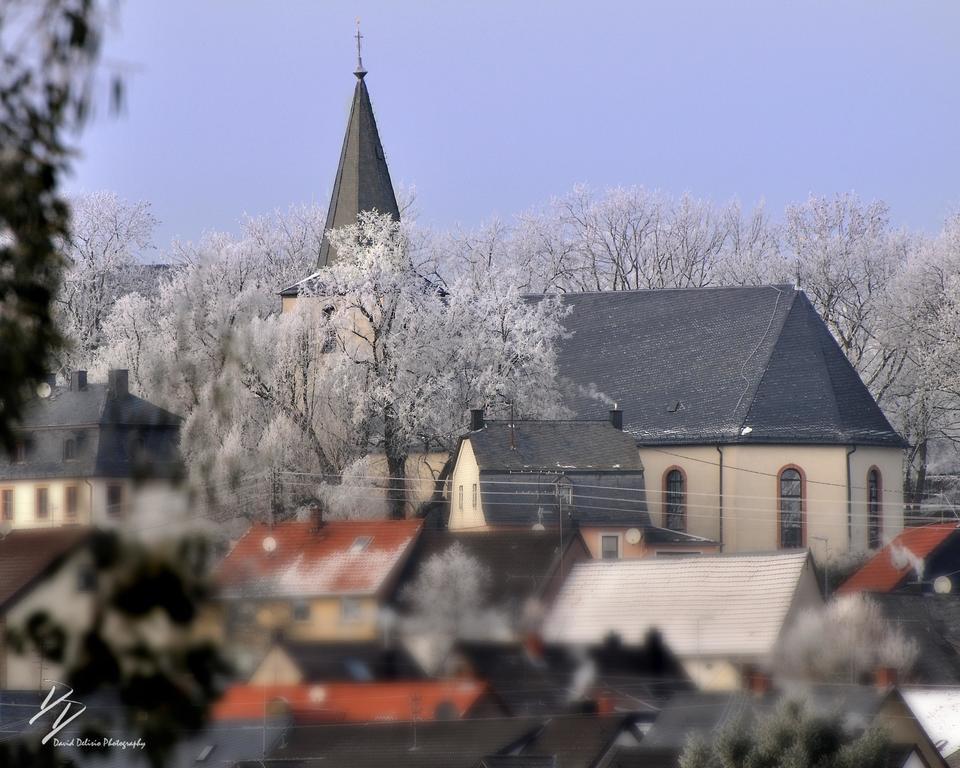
[722, 616]
[93, 454]
[585, 476]
[308, 583]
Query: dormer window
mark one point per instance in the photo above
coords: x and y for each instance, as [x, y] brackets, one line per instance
[360, 543]
[20, 451]
[69, 449]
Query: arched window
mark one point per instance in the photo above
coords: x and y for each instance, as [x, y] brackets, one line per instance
[790, 484]
[874, 509]
[674, 514]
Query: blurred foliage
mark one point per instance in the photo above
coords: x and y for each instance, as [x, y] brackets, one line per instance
[48, 50]
[140, 651]
[791, 737]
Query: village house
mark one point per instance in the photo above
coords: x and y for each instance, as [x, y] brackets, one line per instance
[723, 616]
[753, 429]
[93, 454]
[308, 582]
[582, 476]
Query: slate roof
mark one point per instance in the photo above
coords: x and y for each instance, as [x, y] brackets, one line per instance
[114, 436]
[577, 741]
[438, 744]
[933, 622]
[356, 662]
[521, 562]
[555, 445]
[708, 605]
[362, 182]
[699, 365]
[308, 562]
[29, 554]
[887, 569]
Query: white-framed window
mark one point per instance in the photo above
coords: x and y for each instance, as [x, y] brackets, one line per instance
[474, 496]
[460, 497]
[609, 546]
[301, 610]
[351, 610]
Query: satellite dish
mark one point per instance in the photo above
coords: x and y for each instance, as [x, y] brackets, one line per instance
[538, 527]
[43, 389]
[634, 536]
[269, 544]
[942, 585]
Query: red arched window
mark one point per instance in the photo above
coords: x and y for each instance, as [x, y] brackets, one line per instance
[874, 509]
[790, 484]
[674, 501]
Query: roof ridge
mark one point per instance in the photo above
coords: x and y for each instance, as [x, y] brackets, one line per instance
[766, 365]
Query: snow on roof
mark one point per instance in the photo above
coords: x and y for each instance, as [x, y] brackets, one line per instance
[939, 713]
[303, 561]
[727, 605]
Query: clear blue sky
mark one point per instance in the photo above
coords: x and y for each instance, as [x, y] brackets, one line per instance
[490, 107]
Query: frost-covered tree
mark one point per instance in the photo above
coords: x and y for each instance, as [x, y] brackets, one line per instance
[791, 736]
[107, 238]
[847, 641]
[450, 600]
[422, 355]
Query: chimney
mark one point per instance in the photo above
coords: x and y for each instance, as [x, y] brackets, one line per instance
[885, 677]
[78, 381]
[616, 417]
[118, 383]
[759, 682]
[316, 517]
[476, 419]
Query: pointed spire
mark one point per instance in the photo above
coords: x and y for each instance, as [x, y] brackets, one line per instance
[363, 179]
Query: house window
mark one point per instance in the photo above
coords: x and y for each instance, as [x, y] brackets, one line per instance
[460, 497]
[791, 508]
[609, 546]
[70, 496]
[674, 514]
[874, 509]
[114, 499]
[6, 504]
[69, 449]
[20, 451]
[351, 610]
[360, 543]
[43, 503]
[474, 496]
[301, 610]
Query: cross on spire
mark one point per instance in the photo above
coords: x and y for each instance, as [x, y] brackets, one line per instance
[360, 71]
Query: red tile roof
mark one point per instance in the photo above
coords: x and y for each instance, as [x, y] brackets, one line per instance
[351, 702]
[881, 574]
[28, 554]
[296, 559]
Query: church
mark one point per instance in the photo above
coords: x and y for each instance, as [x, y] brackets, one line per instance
[751, 427]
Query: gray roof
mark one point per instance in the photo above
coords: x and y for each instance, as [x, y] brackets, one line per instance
[118, 436]
[362, 182]
[555, 445]
[700, 365]
[932, 621]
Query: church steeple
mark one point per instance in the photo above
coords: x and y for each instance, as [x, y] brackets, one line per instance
[363, 179]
